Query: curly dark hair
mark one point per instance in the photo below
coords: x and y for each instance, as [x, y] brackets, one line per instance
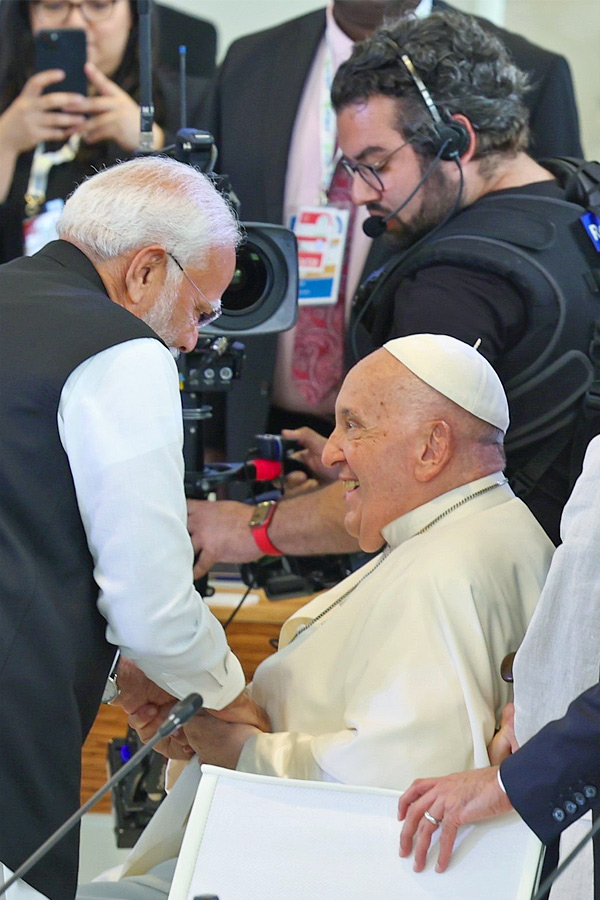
[466, 69]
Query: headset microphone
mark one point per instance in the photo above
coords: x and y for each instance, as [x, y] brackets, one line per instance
[375, 226]
[452, 138]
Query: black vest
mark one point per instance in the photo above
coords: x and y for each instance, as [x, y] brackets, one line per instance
[538, 244]
[54, 658]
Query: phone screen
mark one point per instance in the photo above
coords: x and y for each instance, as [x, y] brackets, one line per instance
[63, 48]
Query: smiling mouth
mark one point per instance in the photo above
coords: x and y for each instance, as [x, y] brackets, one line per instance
[350, 485]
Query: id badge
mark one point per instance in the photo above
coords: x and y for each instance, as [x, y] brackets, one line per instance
[41, 229]
[591, 223]
[321, 232]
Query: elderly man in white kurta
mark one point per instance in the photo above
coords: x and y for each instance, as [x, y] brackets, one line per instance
[394, 673]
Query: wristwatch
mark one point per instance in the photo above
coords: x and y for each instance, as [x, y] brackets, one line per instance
[111, 688]
[259, 524]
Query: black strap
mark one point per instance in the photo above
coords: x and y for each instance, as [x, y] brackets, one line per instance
[525, 479]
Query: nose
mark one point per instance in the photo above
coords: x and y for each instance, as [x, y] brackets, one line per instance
[332, 452]
[361, 192]
[188, 340]
[75, 18]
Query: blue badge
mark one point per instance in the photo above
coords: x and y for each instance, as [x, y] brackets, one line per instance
[591, 223]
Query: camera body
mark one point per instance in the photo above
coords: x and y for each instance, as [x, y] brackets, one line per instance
[263, 295]
[136, 798]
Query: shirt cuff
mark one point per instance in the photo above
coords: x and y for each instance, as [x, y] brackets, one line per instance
[500, 782]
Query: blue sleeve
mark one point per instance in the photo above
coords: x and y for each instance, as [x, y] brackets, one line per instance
[554, 778]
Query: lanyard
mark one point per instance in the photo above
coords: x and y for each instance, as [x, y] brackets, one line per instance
[328, 128]
[42, 162]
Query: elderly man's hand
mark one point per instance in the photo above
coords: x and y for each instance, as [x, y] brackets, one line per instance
[241, 711]
[245, 711]
[220, 533]
[504, 741]
[136, 689]
[217, 742]
[147, 706]
[453, 800]
[147, 719]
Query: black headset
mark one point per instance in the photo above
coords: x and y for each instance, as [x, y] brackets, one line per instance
[452, 138]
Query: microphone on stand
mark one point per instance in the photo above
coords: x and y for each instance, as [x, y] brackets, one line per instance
[179, 715]
[375, 226]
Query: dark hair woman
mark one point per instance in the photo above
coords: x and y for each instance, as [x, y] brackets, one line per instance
[89, 132]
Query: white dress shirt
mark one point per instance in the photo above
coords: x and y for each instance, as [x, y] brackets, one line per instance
[120, 423]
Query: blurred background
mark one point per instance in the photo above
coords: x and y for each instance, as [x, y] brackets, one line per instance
[569, 27]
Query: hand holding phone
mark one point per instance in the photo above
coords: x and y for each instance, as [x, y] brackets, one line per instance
[63, 48]
[35, 117]
[112, 114]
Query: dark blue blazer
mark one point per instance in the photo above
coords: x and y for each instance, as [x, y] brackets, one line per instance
[554, 778]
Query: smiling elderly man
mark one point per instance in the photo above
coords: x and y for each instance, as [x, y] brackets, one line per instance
[396, 671]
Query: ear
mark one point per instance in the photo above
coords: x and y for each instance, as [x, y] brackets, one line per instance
[145, 277]
[468, 154]
[436, 453]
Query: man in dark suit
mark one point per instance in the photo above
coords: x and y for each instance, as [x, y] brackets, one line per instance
[252, 114]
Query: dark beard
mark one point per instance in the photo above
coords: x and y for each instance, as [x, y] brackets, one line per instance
[438, 198]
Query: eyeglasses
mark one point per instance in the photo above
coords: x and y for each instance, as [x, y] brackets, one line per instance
[56, 12]
[369, 173]
[205, 318]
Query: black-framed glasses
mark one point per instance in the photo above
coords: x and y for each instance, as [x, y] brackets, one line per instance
[56, 12]
[205, 317]
[370, 173]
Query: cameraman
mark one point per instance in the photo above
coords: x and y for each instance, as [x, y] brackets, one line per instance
[388, 136]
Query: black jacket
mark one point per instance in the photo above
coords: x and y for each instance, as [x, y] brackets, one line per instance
[54, 657]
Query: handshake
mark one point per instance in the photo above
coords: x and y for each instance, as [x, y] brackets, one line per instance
[216, 736]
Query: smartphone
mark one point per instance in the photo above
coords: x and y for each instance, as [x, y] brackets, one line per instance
[63, 48]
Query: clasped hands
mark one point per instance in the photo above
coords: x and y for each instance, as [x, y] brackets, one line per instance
[216, 736]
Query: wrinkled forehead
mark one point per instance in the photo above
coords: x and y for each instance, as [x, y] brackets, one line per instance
[378, 385]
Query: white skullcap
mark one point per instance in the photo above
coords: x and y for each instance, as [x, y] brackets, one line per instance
[457, 371]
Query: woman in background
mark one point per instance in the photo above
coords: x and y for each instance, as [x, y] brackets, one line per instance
[84, 133]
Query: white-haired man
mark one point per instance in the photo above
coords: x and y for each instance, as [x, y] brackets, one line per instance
[396, 670]
[94, 551]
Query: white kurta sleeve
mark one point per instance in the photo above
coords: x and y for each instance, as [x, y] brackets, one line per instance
[120, 424]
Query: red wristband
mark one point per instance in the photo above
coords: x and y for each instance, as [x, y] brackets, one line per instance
[263, 542]
[259, 524]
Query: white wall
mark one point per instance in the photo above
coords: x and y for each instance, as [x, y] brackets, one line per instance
[570, 27]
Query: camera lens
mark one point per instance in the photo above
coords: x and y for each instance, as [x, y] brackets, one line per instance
[250, 282]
